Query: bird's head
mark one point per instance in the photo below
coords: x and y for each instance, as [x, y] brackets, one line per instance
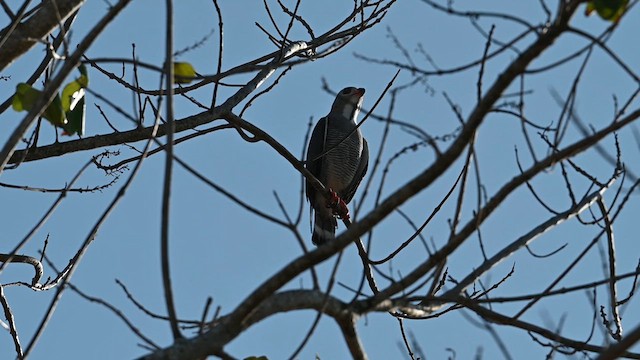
[348, 102]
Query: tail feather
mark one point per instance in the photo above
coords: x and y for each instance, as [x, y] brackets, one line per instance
[324, 229]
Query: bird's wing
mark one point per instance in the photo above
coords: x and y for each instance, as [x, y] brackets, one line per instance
[350, 190]
[316, 147]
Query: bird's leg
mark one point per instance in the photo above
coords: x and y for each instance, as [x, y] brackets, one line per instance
[338, 206]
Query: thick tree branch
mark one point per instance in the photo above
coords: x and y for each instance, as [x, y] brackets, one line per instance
[33, 30]
[521, 242]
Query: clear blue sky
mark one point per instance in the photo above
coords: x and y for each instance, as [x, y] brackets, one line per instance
[218, 250]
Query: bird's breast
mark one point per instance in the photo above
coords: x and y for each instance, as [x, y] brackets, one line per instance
[342, 162]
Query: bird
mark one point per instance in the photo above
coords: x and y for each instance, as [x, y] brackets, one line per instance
[338, 156]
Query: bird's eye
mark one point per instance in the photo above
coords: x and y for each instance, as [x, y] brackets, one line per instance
[346, 91]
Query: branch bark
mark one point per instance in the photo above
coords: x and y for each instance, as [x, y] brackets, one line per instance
[27, 34]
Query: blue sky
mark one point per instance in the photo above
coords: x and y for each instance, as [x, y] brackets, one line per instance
[219, 251]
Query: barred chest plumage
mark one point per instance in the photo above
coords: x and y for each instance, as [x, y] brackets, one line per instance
[342, 162]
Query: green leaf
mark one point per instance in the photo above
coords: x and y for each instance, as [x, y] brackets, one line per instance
[73, 103]
[610, 10]
[183, 72]
[76, 119]
[72, 93]
[26, 96]
[55, 113]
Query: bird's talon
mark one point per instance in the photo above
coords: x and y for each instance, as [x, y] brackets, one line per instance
[337, 205]
[334, 199]
[344, 211]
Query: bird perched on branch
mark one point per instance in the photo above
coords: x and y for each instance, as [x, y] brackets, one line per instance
[338, 156]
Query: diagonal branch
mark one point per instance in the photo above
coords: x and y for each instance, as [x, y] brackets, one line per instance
[27, 34]
[187, 123]
[526, 239]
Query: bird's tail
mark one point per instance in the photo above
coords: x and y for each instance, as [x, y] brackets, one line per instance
[324, 228]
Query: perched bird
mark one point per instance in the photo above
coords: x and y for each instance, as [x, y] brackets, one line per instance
[338, 156]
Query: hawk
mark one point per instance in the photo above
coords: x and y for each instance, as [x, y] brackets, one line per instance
[338, 156]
